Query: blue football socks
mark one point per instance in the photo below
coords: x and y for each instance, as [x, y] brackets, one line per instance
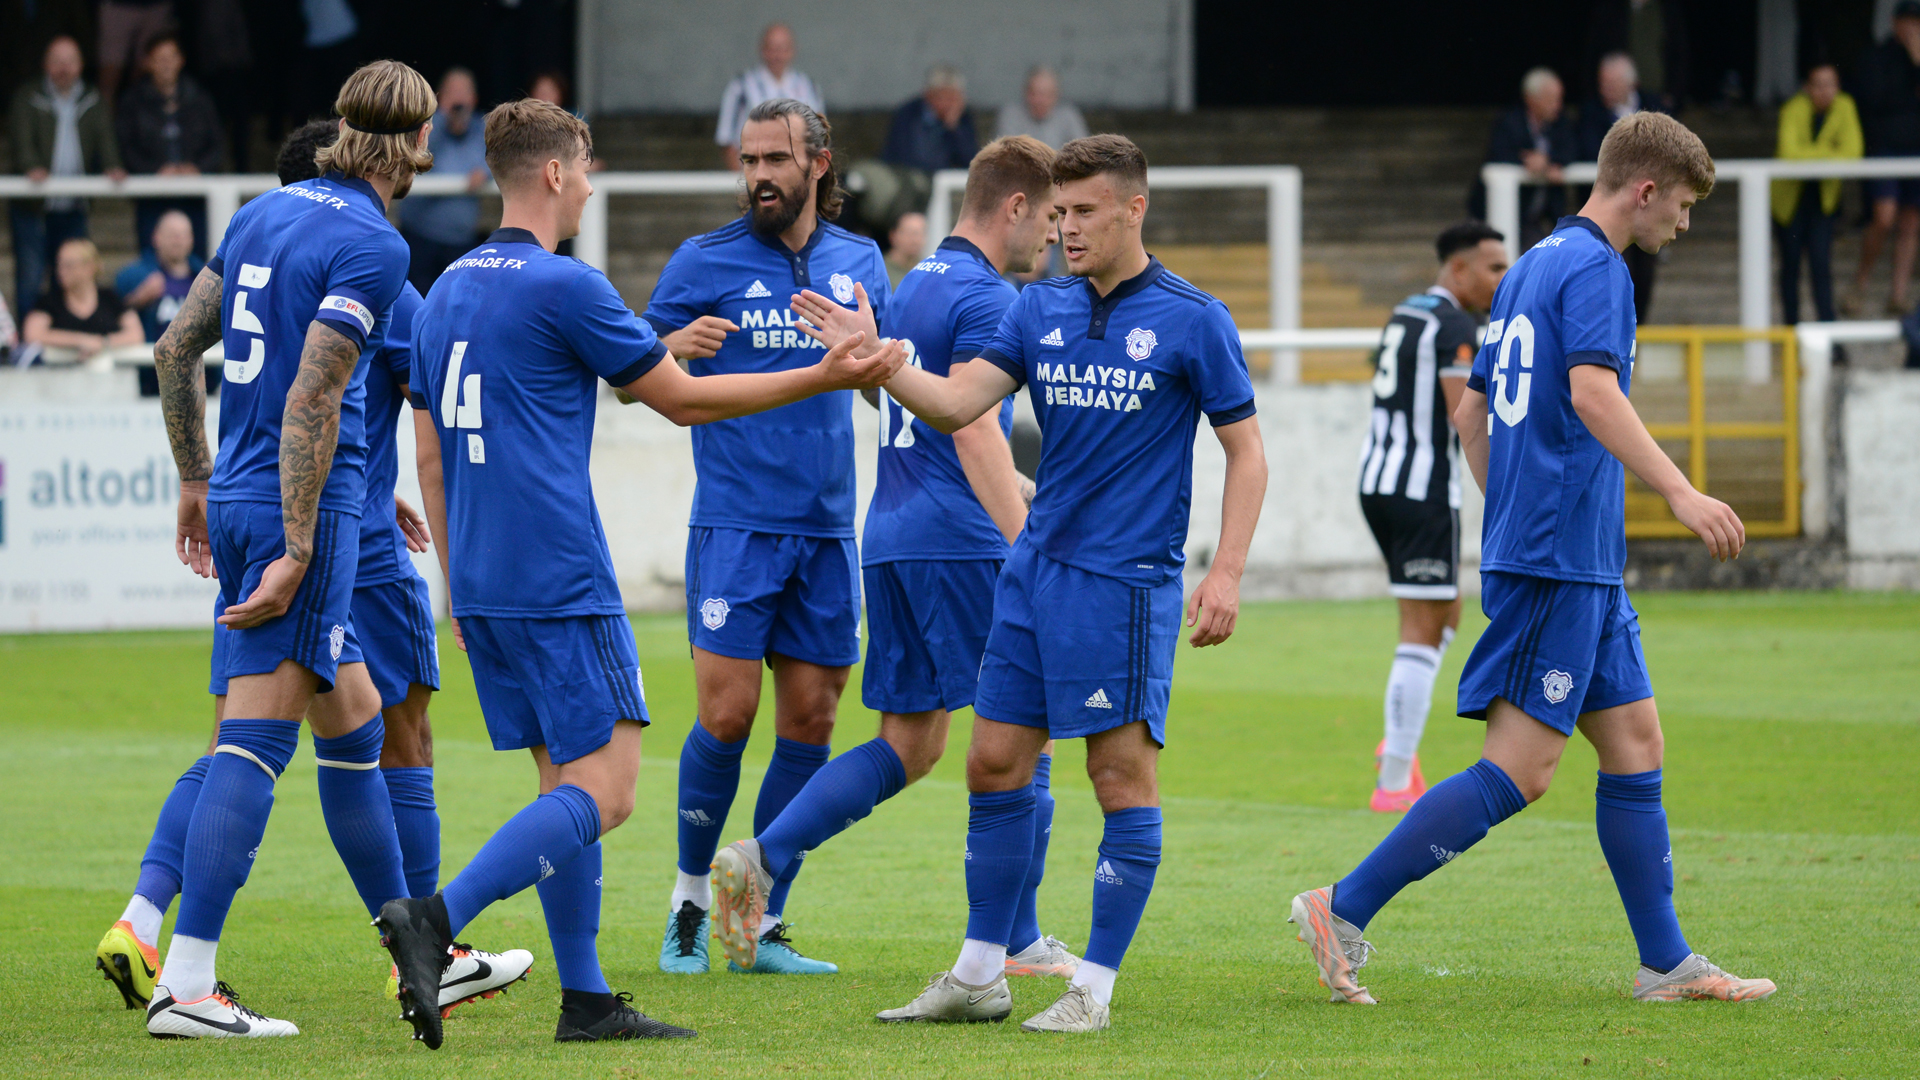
[844, 791]
[1633, 836]
[570, 900]
[359, 813]
[1450, 818]
[709, 779]
[999, 849]
[166, 857]
[417, 819]
[229, 819]
[1026, 917]
[794, 763]
[1122, 881]
[535, 843]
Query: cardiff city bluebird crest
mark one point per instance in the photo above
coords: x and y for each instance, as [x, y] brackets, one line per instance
[842, 287]
[1557, 685]
[713, 613]
[1140, 343]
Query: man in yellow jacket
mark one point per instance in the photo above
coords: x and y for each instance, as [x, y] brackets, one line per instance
[1818, 122]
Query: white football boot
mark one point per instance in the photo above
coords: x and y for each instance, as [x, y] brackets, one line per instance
[947, 1000]
[1075, 1011]
[1697, 979]
[476, 973]
[1048, 956]
[216, 1016]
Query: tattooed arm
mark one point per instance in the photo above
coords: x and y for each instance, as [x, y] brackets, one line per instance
[309, 432]
[183, 402]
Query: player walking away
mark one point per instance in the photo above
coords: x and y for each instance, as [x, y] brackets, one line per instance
[1562, 645]
[506, 354]
[945, 508]
[392, 633]
[1410, 485]
[304, 281]
[1087, 609]
[772, 569]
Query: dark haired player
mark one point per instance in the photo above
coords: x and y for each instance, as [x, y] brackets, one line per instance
[773, 574]
[1410, 484]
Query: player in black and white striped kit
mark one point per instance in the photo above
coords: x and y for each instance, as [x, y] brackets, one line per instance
[1410, 484]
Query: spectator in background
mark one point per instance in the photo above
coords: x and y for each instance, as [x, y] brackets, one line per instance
[441, 228]
[776, 77]
[167, 127]
[330, 53]
[906, 245]
[223, 51]
[1041, 113]
[127, 27]
[1889, 100]
[156, 284]
[1654, 34]
[57, 126]
[1817, 123]
[79, 313]
[1619, 97]
[933, 131]
[553, 88]
[1538, 135]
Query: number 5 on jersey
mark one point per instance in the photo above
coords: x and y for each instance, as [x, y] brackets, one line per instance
[252, 278]
[460, 404]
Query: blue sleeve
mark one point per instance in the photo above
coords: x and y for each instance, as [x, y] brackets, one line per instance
[1594, 300]
[683, 293]
[362, 284]
[129, 278]
[604, 333]
[396, 351]
[1217, 368]
[1007, 350]
[977, 316]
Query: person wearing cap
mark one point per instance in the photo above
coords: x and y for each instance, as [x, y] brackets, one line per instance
[1889, 100]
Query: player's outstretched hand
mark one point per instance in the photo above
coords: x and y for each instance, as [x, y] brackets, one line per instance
[1212, 610]
[413, 524]
[271, 599]
[845, 370]
[459, 639]
[829, 324]
[190, 540]
[700, 338]
[1713, 522]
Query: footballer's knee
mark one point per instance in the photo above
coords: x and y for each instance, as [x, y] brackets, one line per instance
[1120, 783]
[409, 734]
[918, 739]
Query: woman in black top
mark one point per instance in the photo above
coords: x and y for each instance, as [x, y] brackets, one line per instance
[81, 314]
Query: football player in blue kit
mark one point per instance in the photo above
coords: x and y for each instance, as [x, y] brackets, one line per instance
[393, 634]
[1562, 645]
[507, 353]
[301, 291]
[945, 508]
[1121, 360]
[772, 568]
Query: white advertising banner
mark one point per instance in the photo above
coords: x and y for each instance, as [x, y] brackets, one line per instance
[87, 499]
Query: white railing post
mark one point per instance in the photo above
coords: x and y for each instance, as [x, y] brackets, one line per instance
[1756, 266]
[590, 246]
[1816, 377]
[1283, 271]
[946, 183]
[1503, 202]
[223, 200]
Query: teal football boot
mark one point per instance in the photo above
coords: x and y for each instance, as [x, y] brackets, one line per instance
[683, 951]
[777, 956]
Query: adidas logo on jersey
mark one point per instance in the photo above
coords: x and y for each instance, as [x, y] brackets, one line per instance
[1106, 873]
[697, 816]
[1053, 338]
[758, 290]
[1099, 700]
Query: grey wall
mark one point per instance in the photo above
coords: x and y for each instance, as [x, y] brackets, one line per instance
[653, 56]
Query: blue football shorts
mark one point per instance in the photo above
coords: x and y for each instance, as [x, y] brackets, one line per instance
[1555, 649]
[753, 594]
[393, 623]
[316, 631]
[1076, 652]
[927, 626]
[558, 683]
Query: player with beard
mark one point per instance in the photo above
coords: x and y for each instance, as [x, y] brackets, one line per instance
[772, 569]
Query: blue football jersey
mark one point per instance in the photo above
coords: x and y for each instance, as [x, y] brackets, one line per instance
[317, 250]
[1556, 498]
[788, 470]
[946, 312]
[1118, 385]
[383, 547]
[506, 352]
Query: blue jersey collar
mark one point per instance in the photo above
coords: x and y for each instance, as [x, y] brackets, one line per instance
[961, 243]
[358, 185]
[1575, 221]
[797, 260]
[505, 235]
[1103, 305]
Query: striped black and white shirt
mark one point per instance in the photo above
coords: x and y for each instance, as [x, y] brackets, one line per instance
[752, 87]
[1411, 450]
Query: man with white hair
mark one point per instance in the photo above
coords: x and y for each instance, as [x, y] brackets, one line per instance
[1619, 97]
[776, 77]
[933, 131]
[1041, 113]
[1537, 134]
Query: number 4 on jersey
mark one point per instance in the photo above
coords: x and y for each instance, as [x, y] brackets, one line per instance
[457, 413]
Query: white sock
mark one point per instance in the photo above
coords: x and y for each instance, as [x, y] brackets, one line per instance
[768, 921]
[189, 967]
[145, 919]
[1446, 639]
[694, 887]
[980, 963]
[1097, 979]
[1409, 699]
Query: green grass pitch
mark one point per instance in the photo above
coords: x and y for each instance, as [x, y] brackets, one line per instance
[1792, 780]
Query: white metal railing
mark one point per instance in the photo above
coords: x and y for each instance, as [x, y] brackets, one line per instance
[1756, 220]
[1282, 184]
